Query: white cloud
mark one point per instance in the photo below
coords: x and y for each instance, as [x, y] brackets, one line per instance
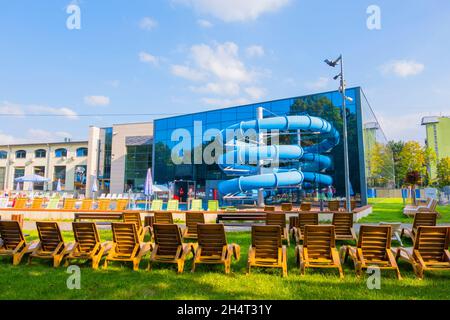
[146, 57]
[11, 108]
[148, 23]
[254, 51]
[319, 84]
[204, 23]
[222, 71]
[222, 61]
[235, 10]
[96, 100]
[66, 112]
[225, 88]
[255, 93]
[403, 68]
[187, 73]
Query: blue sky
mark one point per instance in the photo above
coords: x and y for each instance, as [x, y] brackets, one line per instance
[179, 56]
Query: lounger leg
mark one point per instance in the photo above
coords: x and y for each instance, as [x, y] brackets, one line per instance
[237, 252]
[180, 266]
[341, 272]
[136, 264]
[193, 266]
[105, 264]
[284, 269]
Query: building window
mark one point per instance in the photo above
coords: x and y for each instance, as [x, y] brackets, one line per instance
[80, 178]
[3, 154]
[59, 153]
[2, 178]
[41, 153]
[18, 172]
[82, 152]
[21, 154]
[138, 160]
[40, 171]
[59, 174]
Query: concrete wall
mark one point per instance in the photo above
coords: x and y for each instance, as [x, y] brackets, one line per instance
[119, 151]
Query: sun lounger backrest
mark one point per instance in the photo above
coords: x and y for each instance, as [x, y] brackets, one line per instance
[172, 205]
[103, 205]
[192, 220]
[343, 223]
[121, 204]
[20, 203]
[319, 240]
[133, 217]
[286, 207]
[374, 241]
[333, 205]
[213, 205]
[267, 241]
[431, 242]
[211, 238]
[305, 218]
[125, 237]
[69, 204]
[167, 238]
[86, 204]
[86, 235]
[305, 206]
[197, 205]
[53, 203]
[37, 203]
[49, 235]
[276, 219]
[269, 208]
[11, 234]
[424, 219]
[163, 217]
[156, 205]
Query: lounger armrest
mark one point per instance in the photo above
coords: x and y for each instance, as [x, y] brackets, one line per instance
[19, 247]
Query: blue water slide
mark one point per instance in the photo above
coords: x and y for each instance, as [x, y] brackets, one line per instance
[241, 158]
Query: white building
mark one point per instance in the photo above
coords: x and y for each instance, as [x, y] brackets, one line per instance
[66, 161]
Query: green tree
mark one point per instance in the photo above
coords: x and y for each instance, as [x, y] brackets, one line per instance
[396, 147]
[443, 172]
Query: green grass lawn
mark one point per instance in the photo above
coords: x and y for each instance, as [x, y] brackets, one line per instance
[41, 281]
[391, 210]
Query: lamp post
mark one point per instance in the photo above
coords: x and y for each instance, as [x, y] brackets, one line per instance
[340, 76]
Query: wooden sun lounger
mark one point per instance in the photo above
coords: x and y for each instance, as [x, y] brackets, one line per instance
[429, 207]
[286, 207]
[420, 219]
[373, 249]
[51, 244]
[135, 217]
[213, 205]
[13, 242]
[304, 219]
[86, 204]
[343, 226]
[430, 251]
[267, 249]
[69, 204]
[192, 220]
[172, 205]
[279, 219]
[88, 245]
[121, 204]
[103, 205]
[318, 249]
[169, 246]
[196, 205]
[127, 246]
[37, 203]
[20, 203]
[334, 205]
[305, 206]
[163, 217]
[213, 247]
[269, 208]
[156, 205]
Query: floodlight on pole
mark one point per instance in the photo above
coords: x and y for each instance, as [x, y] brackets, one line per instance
[333, 64]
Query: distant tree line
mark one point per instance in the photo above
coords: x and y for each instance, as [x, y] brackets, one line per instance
[412, 163]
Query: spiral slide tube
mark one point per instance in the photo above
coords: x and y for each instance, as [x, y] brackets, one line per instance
[237, 161]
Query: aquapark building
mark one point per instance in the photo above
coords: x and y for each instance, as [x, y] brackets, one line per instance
[297, 146]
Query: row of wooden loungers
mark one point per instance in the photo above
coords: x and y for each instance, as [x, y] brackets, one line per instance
[317, 248]
[68, 205]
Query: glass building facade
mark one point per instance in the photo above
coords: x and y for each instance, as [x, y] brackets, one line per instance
[370, 160]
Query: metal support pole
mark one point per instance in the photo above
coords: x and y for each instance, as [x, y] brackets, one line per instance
[260, 116]
[344, 117]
